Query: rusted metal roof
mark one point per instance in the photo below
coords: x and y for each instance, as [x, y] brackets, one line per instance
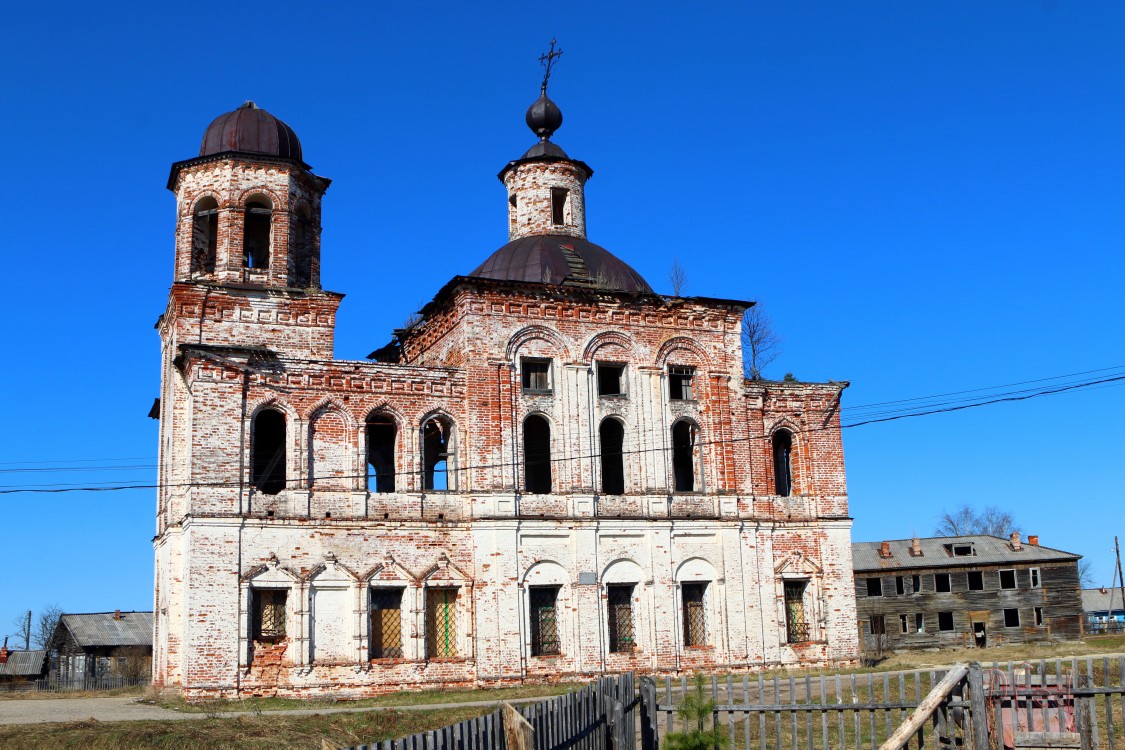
[24, 663]
[559, 259]
[989, 550]
[101, 629]
[250, 130]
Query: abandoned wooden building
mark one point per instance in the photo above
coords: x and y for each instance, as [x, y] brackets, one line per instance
[556, 472]
[96, 645]
[18, 668]
[965, 591]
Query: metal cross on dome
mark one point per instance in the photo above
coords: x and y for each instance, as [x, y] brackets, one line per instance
[548, 61]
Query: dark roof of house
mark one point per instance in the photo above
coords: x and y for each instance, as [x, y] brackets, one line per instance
[1101, 600]
[102, 629]
[989, 550]
[24, 663]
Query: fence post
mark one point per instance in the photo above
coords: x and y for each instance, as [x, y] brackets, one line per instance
[978, 707]
[649, 736]
[617, 726]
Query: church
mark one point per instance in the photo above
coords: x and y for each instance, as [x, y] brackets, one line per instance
[553, 472]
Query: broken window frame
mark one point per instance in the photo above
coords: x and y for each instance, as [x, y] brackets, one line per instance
[963, 550]
[916, 584]
[693, 599]
[919, 622]
[874, 586]
[439, 448]
[797, 627]
[781, 445]
[681, 382]
[537, 475]
[977, 577]
[611, 380]
[268, 448]
[204, 235]
[900, 585]
[535, 375]
[1039, 617]
[381, 430]
[904, 623]
[268, 614]
[1035, 578]
[946, 622]
[257, 233]
[1007, 576]
[1011, 617]
[385, 622]
[619, 613]
[611, 440]
[942, 583]
[685, 438]
[877, 624]
[441, 622]
[543, 617]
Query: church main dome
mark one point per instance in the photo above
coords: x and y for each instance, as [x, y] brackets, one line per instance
[250, 130]
[561, 259]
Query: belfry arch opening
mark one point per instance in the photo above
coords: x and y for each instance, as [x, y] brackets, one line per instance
[301, 244]
[612, 438]
[267, 451]
[783, 462]
[382, 433]
[683, 456]
[537, 454]
[256, 231]
[204, 235]
[438, 472]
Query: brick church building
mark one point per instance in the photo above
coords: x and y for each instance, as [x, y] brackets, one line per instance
[554, 473]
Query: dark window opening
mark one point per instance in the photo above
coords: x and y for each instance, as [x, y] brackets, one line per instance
[558, 206]
[1039, 616]
[1035, 581]
[796, 626]
[680, 379]
[916, 583]
[874, 586]
[268, 607]
[622, 638]
[537, 375]
[301, 249]
[267, 452]
[1007, 579]
[783, 462]
[945, 621]
[537, 455]
[919, 622]
[612, 434]
[683, 456]
[436, 471]
[1011, 618]
[256, 234]
[695, 620]
[976, 580]
[963, 550]
[386, 623]
[904, 623]
[878, 625]
[900, 585]
[441, 623]
[381, 436]
[941, 582]
[611, 380]
[204, 236]
[543, 602]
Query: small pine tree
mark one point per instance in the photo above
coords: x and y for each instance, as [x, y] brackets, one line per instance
[696, 710]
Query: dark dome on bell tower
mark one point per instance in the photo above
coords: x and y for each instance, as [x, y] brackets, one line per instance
[250, 130]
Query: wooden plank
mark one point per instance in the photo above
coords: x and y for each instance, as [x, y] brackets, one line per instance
[793, 699]
[1047, 740]
[824, 714]
[925, 709]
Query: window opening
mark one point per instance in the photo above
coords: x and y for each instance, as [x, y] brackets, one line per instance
[920, 622]
[620, 606]
[976, 580]
[916, 583]
[386, 623]
[204, 235]
[512, 202]
[680, 379]
[543, 602]
[1035, 582]
[695, 621]
[900, 585]
[267, 452]
[874, 586]
[963, 550]
[536, 375]
[381, 436]
[783, 462]
[256, 234]
[796, 627]
[945, 621]
[559, 212]
[436, 470]
[537, 454]
[1007, 579]
[683, 456]
[612, 434]
[941, 582]
[301, 249]
[903, 622]
[878, 625]
[611, 380]
[269, 614]
[1011, 618]
[441, 623]
[1039, 616]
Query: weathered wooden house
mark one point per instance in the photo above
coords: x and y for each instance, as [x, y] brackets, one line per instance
[965, 590]
[102, 644]
[17, 667]
[1103, 610]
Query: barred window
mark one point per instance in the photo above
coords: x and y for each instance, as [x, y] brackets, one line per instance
[695, 621]
[268, 606]
[542, 601]
[796, 627]
[622, 638]
[386, 623]
[441, 623]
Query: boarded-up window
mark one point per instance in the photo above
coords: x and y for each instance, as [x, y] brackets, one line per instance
[783, 462]
[612, 434]
[543, 605]
[441, 623]
[268, 611]
[695, 620]
[619, 602]
[267, 451]
[683, 456]
[386, 623]
[330, 621]
[796, 626]
[537, 454]
[330, 452]
[204, 235]
[256, 234]
[381, 436]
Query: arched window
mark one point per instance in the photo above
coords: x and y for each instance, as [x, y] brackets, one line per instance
[381, 435]
[537, 454]
[683, 456]
[783, 462]
[267, 451]
[612, 434]
[204, 235]
[301, 249]
[256, 232]
[438, 473]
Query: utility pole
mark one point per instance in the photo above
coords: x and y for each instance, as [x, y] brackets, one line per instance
[1117, 547]
[27, 632]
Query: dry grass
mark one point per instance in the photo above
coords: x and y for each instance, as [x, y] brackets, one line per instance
[245, 732]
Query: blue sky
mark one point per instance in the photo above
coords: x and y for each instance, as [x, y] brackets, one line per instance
[927, 196]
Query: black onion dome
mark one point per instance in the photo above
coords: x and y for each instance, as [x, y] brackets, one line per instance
[544, 116]
[250, 130]
[559, 259]
[545, 148]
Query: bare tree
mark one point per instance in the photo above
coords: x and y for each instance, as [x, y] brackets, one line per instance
[965, 521]
[22, 625]
[760, 345]
[1086, 574]
[45, 625]
[677, 277]
[134, 662]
